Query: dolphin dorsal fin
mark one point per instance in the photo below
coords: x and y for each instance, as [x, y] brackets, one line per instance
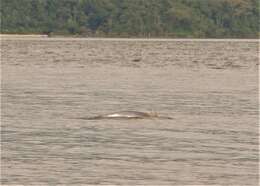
[154, 113]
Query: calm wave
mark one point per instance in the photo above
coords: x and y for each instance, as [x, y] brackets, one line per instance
[210, 88]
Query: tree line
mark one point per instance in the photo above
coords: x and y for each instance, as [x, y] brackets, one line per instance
[133, 18]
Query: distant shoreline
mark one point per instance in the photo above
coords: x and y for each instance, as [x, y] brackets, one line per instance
[115, 37]
[24, 35]
[75, 38]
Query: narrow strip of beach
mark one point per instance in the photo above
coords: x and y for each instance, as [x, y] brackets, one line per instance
[23, 35]
[72, 38]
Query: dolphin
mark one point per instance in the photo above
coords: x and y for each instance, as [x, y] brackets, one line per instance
[128, 115]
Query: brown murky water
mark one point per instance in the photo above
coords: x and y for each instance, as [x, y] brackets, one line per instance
[209, 87]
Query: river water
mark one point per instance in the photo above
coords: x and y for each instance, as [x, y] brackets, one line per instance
[209, 87]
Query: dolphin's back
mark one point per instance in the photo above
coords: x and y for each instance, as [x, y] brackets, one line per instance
[127, 115]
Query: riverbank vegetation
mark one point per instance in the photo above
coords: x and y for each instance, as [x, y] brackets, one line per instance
[132, 18]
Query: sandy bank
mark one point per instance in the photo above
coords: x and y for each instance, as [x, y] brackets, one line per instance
[71, 38]
[23, 35]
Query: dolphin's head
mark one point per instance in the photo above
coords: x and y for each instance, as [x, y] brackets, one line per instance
[153, 114]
